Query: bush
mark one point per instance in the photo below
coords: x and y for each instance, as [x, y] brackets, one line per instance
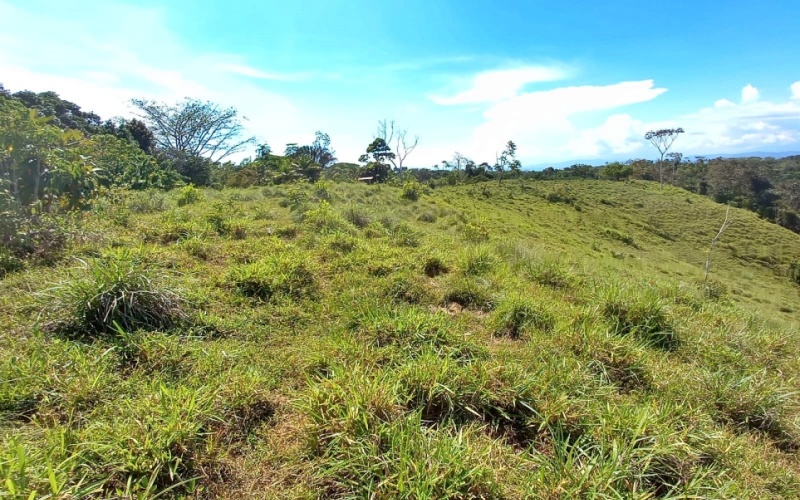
[324, 220]
[411, 190]
[189, 195]
[117, 289]
[280, 274]
[9, 263]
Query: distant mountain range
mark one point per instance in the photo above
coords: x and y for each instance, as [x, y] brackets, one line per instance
[599, 162]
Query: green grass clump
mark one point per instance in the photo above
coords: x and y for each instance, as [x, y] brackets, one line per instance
[513, 315]
[118, 289]
[282, 274]
[470, 292]
[411, 331]
[641, 315]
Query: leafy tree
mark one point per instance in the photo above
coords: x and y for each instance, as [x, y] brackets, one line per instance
[122, 163]
[662, 140]
[193, 128]
[377, 159]
[65, 114]
[319, 151]
[192, 168]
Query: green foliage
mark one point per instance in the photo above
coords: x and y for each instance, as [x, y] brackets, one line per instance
[411, 190]
[188, 195]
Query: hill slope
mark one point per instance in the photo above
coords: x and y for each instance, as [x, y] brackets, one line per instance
[506, 341]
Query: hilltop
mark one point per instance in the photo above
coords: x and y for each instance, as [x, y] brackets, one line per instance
[547, 339]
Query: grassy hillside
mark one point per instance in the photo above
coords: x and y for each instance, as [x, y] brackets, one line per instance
[537, 340]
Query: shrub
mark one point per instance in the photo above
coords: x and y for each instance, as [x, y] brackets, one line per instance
[9, 263]
[513, 315]
[117, 289]
[411, 190]
[188, 195]
[325, 220]
[281, 274]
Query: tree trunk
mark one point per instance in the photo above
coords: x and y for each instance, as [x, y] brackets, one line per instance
[38, 177]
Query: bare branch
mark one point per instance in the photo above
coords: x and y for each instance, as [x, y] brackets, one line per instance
[722, 229]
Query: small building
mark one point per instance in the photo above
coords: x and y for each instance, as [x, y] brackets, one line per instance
[368, 180]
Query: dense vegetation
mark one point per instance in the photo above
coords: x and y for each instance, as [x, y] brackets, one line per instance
[304, 336]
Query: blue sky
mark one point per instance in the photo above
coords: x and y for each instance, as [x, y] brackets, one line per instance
[565, 80]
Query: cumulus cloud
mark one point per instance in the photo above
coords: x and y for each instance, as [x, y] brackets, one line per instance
[749, 94]
[542, 122]
[496, 85]
[795, 87]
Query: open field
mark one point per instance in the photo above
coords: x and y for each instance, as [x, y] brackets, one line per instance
[515, 340]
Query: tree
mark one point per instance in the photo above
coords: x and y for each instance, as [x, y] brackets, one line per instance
[662, 139]
[195, 128]
[403, 145]
[319, 151]
[507, 161]
[142, 135]
[675, 160]
[377, 159]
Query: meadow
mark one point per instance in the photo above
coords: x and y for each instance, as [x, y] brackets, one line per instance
[548, 339]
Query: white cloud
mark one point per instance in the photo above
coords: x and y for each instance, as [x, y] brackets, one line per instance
[750, 94]
[795, 88]
[496, 85]
[543, 122]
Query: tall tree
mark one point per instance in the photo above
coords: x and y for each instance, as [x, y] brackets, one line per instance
[507, 161]
[662, 139]
[397, 138]
[194, 127]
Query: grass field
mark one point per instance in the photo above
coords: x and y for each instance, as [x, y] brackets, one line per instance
[536, 340]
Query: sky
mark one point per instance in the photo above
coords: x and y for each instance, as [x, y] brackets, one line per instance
[566, 81]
